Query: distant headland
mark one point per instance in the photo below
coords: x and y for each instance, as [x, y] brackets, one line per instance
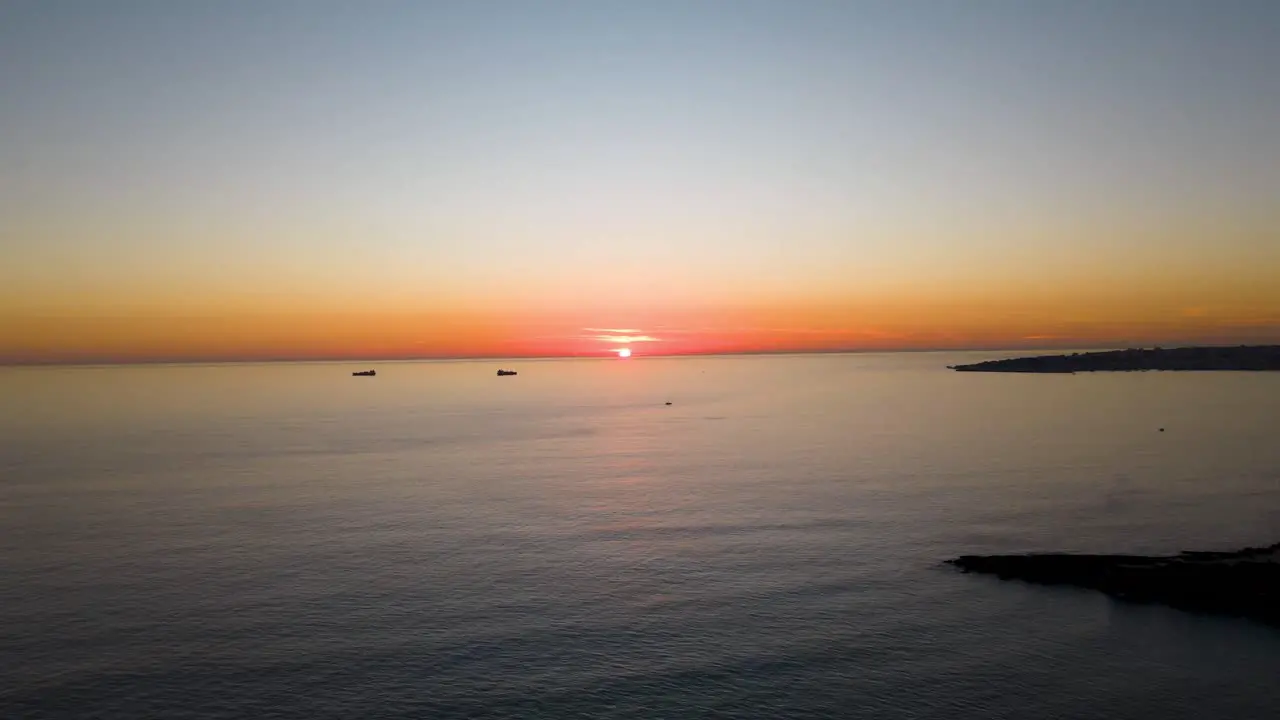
[1243, 357]
[1244, 583]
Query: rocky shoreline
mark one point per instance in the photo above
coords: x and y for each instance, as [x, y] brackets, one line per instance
[1243, 583]
[1244, 357]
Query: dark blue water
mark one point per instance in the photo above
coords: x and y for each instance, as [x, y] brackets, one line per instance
[286, 541]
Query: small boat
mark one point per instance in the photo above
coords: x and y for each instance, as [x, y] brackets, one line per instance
[365, 373]
[506, 372]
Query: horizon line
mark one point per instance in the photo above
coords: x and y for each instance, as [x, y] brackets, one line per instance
[609, 355]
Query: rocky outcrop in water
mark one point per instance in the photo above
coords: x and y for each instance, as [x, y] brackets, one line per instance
[1244, 583]
[1244, 357]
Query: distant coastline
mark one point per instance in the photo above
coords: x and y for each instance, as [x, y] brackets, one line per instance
[1243, 357]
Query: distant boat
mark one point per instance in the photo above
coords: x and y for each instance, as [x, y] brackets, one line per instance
[365, 373]
[506, 372]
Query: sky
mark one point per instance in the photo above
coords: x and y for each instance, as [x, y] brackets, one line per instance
[310, 179]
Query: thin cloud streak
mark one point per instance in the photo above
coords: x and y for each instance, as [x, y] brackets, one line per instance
[624, 339]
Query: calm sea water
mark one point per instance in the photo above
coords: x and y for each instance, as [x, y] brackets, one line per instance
[287, 541]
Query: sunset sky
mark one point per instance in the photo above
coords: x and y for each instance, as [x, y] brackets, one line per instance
[270, 179]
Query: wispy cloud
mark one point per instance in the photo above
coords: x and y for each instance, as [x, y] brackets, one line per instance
[624, 339]
[619, 336]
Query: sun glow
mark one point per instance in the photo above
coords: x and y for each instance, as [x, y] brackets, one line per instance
[623, 352]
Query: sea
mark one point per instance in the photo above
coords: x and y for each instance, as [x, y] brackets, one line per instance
[712, 537]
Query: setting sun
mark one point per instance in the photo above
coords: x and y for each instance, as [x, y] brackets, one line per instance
[624, 352]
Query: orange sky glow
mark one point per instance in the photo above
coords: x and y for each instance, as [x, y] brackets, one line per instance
[1014, 319]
